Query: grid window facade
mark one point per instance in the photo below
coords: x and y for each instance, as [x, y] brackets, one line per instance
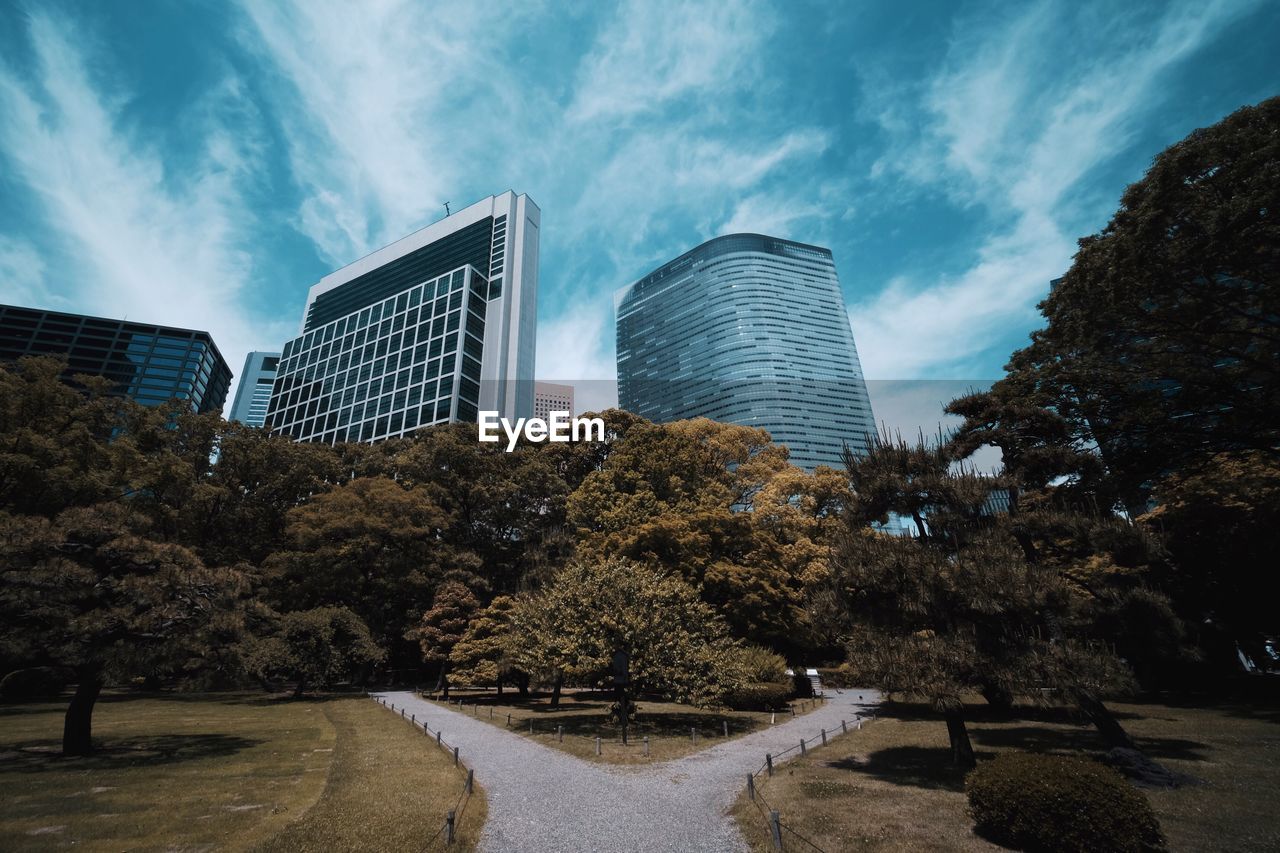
[150, 364]
[408, 361]
[750, 330]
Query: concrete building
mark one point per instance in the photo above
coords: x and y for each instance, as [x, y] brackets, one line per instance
[431, 329]
[148, 363]
[752, 330]
[549, 397]
[254, 392]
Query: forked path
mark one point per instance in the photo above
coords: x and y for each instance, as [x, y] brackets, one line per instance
[542, 799]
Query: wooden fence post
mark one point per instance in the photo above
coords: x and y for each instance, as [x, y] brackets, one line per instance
[646, 746]
[455, 756]
[775, 830]
[824, 737]
[768, 762]
[448, 828]
[751, 786]
[693, 734]
[597, 745]
[726, 727]
[439, 737]
[844, 727]
[471, 778]
[560, 734]
[802, 749]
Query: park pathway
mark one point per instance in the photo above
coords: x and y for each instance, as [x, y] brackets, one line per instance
[542, 799]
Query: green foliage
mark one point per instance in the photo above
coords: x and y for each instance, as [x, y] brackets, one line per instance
[320, 647]
[678, 647]
[1162, 343]
[759, 679]
[1058, 803]
[482, 656]
[444, 625]
[370, 542]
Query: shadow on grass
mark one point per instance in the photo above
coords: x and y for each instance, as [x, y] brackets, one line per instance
[39, 755]
[1077, 740]
[910, 766]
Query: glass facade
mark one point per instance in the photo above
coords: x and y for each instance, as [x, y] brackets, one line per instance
[750, 330]
[410, 360]
[253, 395]
[150, 364]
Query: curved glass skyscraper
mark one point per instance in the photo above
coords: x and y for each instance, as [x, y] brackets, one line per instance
[749, 330]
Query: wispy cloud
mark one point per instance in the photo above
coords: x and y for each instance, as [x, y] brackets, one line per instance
[651, 54]
[139, 238]
[384, 107]
[1009, 129]
[22, 274]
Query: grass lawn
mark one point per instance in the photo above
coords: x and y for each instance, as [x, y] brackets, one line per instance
[582, 714]
[891, 786]
[226, 771]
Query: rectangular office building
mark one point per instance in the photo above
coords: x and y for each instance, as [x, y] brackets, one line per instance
[432, 329]
[148, 363]
[254, 392]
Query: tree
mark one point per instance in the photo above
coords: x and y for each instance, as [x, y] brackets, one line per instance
[593, 609]
[90, 592]
[443, 626]
[371, 544]
[680, 497]
[963, 607]
[484, 653]
[316, 648]
[1163, 338]
[1219, 522]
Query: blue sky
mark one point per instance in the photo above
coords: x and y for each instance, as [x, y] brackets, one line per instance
[204, 163]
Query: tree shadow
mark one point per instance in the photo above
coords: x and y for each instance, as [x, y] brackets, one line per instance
[39, 755]
[929, 768]
[1078, 740]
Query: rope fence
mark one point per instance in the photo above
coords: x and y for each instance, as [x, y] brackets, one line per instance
[530, 725]
[447, 833]
[779, 831]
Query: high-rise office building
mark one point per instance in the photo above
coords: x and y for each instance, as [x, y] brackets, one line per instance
[549, 397]
[254, 392]
[749, 330]
[151, 364]
[431, 329]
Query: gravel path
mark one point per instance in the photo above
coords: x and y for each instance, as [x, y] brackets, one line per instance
[542, 799]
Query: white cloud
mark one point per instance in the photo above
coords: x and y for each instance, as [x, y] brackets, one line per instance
[142, 240]
[1011, 129]
[650, 54]
[22, 274]
[577, 348]
[383, 104]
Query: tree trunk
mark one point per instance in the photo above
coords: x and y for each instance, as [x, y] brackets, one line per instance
[1113, 734]
[961, 747]
[499, 686]
[555, 690]
[300, 689]
[522, 684]
[77, 727]
[444, 684]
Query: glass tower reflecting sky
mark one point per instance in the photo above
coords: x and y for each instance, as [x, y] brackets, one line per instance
[254, 392]
[151, 364]
[749, 330]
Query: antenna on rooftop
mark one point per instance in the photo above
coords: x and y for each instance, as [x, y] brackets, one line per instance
[446, 209]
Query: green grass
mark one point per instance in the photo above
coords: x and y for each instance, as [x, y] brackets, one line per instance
[582, 714]
[891, 787]
[226, 771]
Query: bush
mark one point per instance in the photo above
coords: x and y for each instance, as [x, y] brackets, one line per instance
[1051, 802]
[756, 679]
[26, 685]
[759, 696]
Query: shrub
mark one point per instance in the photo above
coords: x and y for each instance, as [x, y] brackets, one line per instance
[757, 679]
[759, 696]
[1051, 802]
[27, 685]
